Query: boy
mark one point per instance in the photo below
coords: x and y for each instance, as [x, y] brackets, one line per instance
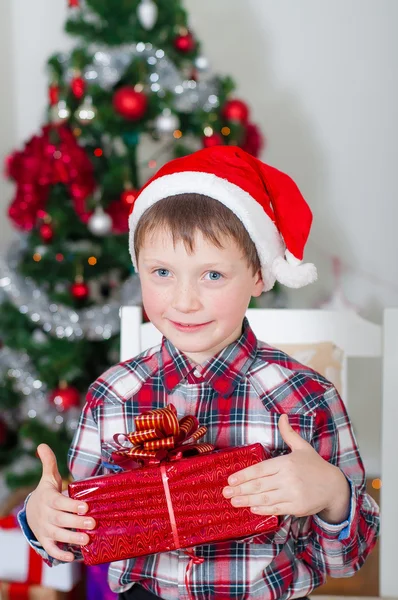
[207, 233]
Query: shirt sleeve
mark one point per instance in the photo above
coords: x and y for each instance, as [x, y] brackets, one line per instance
[339, 550]
[84, 460]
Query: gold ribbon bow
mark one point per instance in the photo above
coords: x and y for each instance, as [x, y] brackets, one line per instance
[160, 436]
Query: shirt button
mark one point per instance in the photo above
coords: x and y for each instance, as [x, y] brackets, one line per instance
[196, 373]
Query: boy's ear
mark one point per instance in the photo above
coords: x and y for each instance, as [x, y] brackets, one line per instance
[258, 285]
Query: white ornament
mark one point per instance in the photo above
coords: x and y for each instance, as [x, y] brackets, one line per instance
[201, 63]
[39, 337]
[147, 13]
[59, 113]
[100, 223]
[42, 250]
[60, 288]
[167, 122]
[86, 112]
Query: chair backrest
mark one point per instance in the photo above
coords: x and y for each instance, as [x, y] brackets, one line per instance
[350, 332]
[357, 338]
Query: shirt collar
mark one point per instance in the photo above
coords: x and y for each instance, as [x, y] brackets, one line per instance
[223, 371]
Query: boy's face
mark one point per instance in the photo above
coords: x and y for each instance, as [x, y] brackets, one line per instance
[197, 300]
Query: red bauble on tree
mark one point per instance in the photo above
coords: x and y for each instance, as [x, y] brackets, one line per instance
[73, 3]
[129, 196]
[119, 213]
[185, 42]
[53, 94]
[78, 87]
[3, 432]
[213, 140]
[65, 397]
[46, 232]
[80, 289]
[130, 103]
[236, 110]
[253, 141]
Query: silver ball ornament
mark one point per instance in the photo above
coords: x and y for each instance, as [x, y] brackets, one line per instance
[167, 122]
[100, 223]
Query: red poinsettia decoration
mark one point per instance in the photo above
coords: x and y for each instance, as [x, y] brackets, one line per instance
[48, 159]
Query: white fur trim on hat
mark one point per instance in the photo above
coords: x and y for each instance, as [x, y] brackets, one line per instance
[293, 273]
[261, 229]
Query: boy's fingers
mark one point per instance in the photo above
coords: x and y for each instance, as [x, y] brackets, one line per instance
[261, 469]
[68, 537]
[291, 437]
[71, 521]
[49, 464]
[65, 504]
[52, 549]
[255, 486]
[273, 498]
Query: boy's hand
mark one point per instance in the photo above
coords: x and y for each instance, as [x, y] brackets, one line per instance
[301, 483]
[51, 515]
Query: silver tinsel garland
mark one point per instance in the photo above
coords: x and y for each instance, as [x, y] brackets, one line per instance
[97, 323]
[94, 323]
[110, 64]
[18, 367]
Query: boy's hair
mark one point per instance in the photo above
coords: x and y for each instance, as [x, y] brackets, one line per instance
[186, 214]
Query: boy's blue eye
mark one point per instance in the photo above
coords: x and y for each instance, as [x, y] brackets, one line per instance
[162, 272]
[214, 275]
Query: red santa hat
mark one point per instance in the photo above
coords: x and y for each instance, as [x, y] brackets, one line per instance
[267, 201]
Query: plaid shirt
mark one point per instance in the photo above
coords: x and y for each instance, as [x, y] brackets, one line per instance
[239, 396]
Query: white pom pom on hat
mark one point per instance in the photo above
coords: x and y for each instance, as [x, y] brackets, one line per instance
[267, 201]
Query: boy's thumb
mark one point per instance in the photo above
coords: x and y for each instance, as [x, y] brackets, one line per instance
[49, 465]
[292, 439]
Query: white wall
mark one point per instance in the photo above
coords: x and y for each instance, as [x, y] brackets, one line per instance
[7, 114]
[320, 76]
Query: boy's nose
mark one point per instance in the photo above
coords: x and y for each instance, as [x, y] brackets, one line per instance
[186, 299]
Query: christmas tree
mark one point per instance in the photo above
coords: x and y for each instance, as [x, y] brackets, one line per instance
[134, 92]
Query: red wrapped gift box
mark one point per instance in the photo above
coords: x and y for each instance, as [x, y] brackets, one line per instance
[171, 505]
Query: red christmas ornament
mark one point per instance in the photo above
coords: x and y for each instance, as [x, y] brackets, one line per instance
[253, 141]
[79, 289]
[3, 432]
[53, 94]
[236, 110]
[128, 197]
[130, 103]
[78, 87]
[74, 3]
[46, 232]
[119, 213]
[213, 140]
[65, 397]
[185, 43]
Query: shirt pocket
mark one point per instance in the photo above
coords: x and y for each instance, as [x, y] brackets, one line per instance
[301, 424]
[264, 429]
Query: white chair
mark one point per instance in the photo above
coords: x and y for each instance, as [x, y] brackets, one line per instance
[357, 338]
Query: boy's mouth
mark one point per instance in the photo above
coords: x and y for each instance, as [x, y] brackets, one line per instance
[189, 326]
